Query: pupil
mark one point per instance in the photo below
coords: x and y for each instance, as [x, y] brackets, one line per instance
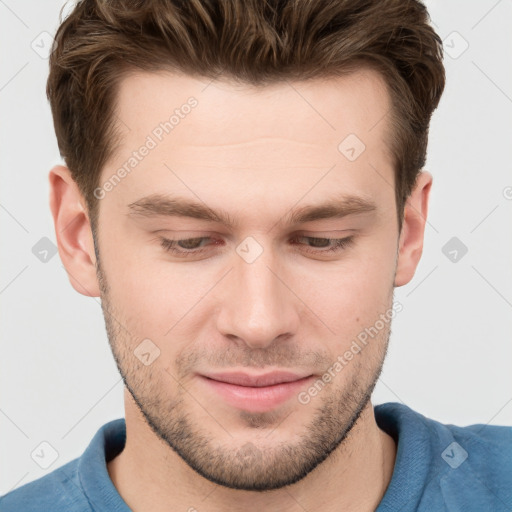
[319, 242]
[191, 243]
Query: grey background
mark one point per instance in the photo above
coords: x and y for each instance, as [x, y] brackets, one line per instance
[450, 355]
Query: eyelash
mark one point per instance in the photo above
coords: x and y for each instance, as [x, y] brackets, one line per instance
[339, 244]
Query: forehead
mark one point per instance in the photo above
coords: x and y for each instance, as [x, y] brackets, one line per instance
[254, 140]
[313, 111]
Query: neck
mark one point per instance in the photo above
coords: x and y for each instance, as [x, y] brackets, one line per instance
[150, 476]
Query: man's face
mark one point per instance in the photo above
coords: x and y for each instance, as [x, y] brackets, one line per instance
[266, 292]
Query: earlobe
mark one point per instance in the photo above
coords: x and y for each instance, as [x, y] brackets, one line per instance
[73, 231]
[410, 245]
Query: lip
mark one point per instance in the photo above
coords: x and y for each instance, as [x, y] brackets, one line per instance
[255, 381]
[255, 393]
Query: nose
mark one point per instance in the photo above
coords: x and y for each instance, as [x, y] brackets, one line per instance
[257, 306]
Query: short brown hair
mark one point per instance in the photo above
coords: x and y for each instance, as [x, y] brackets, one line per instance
[256, 42]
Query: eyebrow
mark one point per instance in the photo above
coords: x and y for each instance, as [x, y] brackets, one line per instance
[156, 205]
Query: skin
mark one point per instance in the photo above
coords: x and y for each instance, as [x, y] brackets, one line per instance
[257, 154]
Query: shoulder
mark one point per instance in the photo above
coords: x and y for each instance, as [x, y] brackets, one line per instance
[398, 418]
[494, 440]
[57, 491]
[468, 466]
[479, 475]
[75, 485]
[488, 452]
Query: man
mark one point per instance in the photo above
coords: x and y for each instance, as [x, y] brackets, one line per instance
[244, 190]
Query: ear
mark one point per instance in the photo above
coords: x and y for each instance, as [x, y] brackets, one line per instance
[73, 232]
[410, 245]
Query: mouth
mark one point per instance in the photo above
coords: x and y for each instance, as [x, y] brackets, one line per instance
[255, 393]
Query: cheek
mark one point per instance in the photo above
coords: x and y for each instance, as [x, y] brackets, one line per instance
[151, 294]
[350, 295]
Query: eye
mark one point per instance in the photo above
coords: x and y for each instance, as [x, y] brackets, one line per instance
[192, 246]
[184, 246]
[322, 245]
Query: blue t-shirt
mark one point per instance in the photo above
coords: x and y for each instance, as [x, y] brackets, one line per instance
[437, 468]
